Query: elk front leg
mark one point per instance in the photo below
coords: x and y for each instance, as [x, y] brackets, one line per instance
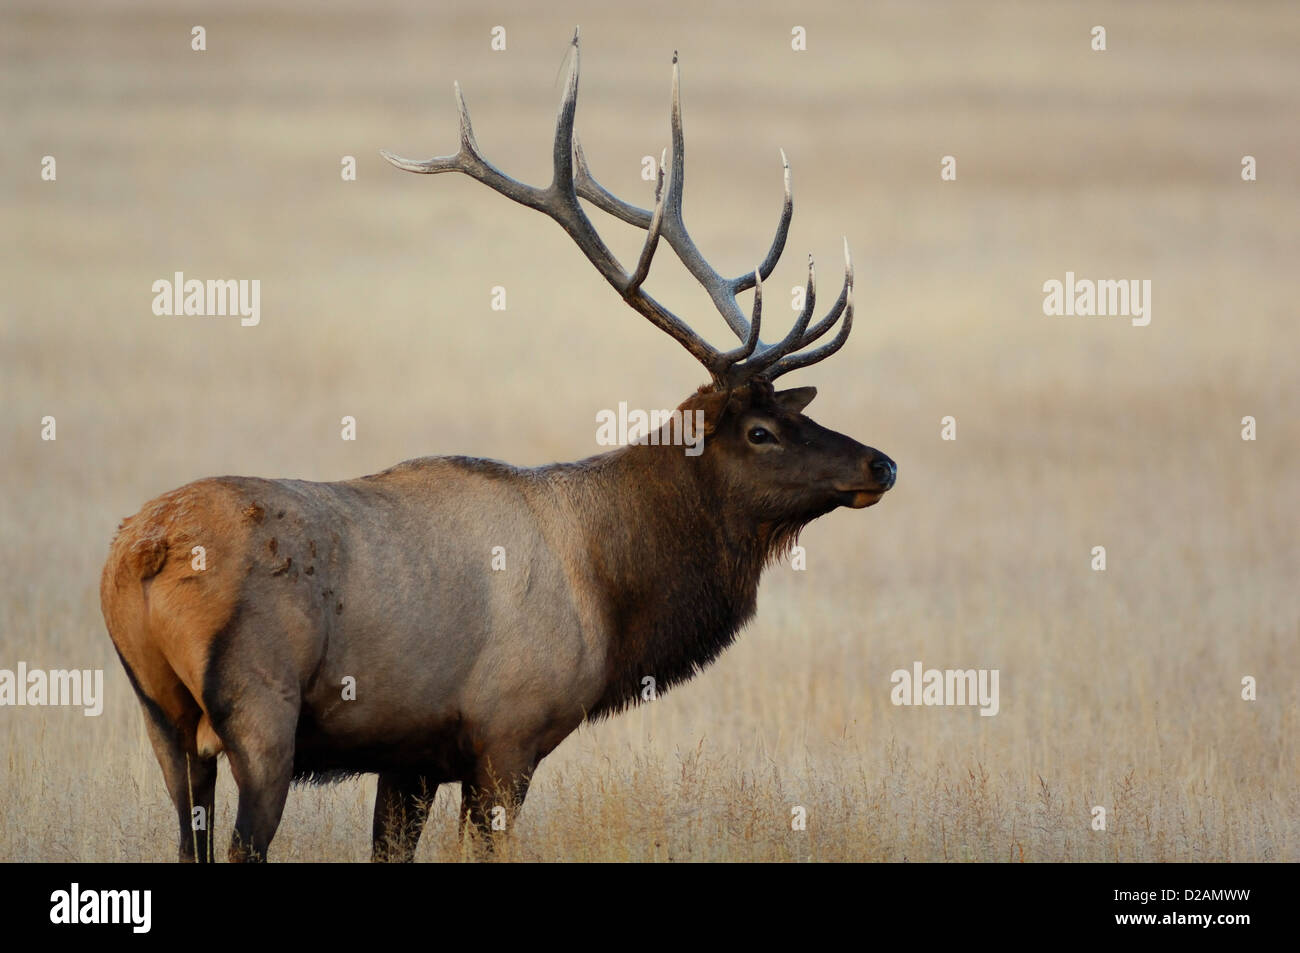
[491, 798]
[401, 808]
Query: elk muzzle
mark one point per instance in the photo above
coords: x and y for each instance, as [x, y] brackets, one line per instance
[878, 475]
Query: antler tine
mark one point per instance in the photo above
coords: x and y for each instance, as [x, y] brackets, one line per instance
[782, 230]
[794, 361]
[651, 236]
[679, 150]
[794, 339]
[471, 162]
[827, 322]
[562, 153]
[588, 188]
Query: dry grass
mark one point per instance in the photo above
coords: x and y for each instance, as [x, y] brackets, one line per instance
[1118, 689]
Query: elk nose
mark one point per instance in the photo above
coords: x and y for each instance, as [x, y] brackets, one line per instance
[884, 471]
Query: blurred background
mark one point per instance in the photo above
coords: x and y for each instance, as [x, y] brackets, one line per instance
[1118, 688]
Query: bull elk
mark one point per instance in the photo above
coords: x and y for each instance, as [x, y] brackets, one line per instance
[640, 561]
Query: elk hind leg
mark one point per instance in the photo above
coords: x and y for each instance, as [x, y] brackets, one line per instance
[258, 737]
[191, 780]
[192, 783]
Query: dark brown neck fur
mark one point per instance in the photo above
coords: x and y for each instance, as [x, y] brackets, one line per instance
[677, 562]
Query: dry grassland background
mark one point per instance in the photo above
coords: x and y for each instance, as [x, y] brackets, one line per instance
[1118, 688]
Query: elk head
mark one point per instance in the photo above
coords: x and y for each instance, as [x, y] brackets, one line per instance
[760, 448]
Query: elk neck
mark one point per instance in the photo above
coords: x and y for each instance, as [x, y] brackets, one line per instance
[676, 561]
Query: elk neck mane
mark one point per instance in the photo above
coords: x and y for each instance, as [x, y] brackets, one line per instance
[677, 560]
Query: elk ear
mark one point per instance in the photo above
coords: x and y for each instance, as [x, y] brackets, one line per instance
[795, 399]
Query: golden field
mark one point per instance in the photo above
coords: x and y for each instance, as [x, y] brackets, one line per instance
[1119, 689]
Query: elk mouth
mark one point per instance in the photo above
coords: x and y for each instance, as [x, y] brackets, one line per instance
[860, 498]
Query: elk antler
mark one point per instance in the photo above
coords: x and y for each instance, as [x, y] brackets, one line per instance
[572, 179]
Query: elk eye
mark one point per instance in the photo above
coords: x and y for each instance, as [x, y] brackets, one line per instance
[759, 435]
